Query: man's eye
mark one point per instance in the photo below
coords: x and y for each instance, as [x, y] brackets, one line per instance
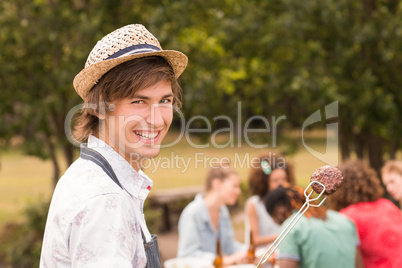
[138, 101]
[165, 101]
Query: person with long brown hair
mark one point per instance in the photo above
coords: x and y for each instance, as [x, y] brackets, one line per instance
[377, 219]
[321, 238]
[266, 174]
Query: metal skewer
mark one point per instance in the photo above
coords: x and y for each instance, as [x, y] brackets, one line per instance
[294, 220]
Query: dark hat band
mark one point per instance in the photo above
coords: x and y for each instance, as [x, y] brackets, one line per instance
[134, 49]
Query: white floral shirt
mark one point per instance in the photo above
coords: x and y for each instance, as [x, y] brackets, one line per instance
[92, 222]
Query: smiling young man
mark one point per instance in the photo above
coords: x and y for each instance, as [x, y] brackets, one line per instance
[130, 90]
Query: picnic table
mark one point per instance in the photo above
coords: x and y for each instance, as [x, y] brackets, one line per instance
[174, 197]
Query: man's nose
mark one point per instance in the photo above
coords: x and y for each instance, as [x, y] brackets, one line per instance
[155, 116]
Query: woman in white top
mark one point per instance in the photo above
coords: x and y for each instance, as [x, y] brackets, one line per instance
[266, 175]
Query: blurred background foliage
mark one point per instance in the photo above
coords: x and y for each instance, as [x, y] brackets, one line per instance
[277, 57]
[21, 243]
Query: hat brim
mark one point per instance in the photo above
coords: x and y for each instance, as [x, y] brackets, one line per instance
[89, 76]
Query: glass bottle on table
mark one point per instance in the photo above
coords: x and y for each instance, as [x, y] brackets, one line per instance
[251, 250]
[218, 262]
[274, 260]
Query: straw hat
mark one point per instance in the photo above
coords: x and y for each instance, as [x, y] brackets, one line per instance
[129, 42]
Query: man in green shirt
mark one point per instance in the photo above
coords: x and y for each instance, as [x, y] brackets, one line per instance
[320, 238]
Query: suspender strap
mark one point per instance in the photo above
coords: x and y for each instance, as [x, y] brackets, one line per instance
[97, 158]
[151, 248]
[152, 252]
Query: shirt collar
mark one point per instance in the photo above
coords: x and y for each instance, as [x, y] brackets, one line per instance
[204, 214]
[199, 199]
[137, 184]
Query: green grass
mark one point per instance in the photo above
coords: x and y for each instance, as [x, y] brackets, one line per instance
[24, 179]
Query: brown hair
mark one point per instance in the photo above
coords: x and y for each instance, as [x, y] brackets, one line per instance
[121, 82]
[258, 180]
[361, 184]
[293, 198]
[221, 172]
[392, 166]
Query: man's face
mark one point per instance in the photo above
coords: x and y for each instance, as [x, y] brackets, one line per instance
[280, 213]
[136, 126]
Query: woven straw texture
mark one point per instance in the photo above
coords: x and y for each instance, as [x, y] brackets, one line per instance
[97, 65]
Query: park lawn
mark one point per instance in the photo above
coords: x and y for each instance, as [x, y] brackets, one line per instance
[23, 179]
[26, 179]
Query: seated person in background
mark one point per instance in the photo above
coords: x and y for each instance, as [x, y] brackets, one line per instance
[271, 171]
[207, 218]
[378, 220]
[319, 239]
[392, 178]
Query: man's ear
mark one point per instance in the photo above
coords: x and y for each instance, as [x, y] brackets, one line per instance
[101, 111]
[100, 116]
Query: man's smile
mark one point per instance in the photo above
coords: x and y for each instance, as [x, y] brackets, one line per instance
[147, 136]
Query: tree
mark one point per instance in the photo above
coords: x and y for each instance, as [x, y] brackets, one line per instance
[281, 57]
[278, 57]
[45, 43]
[356, 47]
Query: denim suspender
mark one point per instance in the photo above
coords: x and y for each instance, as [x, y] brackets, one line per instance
[151, 248]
